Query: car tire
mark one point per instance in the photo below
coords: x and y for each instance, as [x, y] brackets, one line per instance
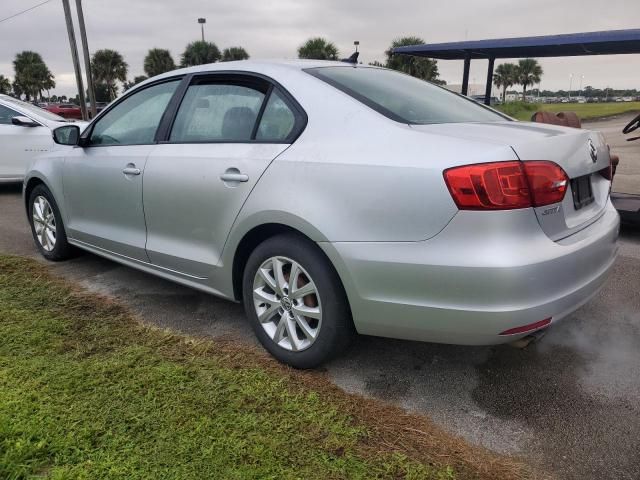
[302, 332]
[44, 214]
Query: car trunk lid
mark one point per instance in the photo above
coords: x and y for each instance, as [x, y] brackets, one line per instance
[581, 153]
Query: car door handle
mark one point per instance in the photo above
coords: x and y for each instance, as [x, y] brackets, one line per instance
[131, 171]
[234, 177]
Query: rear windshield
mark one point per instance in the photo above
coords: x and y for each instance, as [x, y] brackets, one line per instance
[404, 98]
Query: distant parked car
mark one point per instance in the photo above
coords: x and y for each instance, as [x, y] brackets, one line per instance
[65, 110]
[25, 131]
[480, 99]
[332, 198]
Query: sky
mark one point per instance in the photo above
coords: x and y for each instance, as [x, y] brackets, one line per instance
[275, 28]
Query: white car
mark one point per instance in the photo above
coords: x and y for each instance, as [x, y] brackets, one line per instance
[25, 131]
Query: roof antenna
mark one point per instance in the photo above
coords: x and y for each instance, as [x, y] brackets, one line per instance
[354, 56]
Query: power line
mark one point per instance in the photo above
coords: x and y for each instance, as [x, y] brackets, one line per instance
[23, 11]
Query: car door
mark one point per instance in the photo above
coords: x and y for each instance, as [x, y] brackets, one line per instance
[103, 180]
[226, 132]
[19, 144]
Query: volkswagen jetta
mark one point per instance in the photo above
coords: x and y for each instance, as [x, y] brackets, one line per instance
[332, 199]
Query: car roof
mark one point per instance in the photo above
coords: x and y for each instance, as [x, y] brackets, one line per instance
[295, 64]
[256, 66]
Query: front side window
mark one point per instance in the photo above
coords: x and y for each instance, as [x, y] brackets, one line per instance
[217, 112]
[6, 114]
[277, 120]
[134, 121]
[404, 98]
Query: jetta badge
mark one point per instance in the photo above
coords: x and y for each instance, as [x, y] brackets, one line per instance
[593, 151]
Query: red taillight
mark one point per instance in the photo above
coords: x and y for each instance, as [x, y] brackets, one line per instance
[548, 182]
[506, 185]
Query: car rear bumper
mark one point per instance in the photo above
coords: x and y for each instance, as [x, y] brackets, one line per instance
[483, 274]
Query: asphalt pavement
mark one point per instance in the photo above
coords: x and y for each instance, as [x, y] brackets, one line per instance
[569, 403]
[627, 179]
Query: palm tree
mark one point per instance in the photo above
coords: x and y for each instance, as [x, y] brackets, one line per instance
[108, 66]
[157, 61]
[5, 85]
[234, 53]
[32, 75]
[318, 49]
[505, 77]
[199, 53]
[529, 72]
[423, 68]
[131, 83]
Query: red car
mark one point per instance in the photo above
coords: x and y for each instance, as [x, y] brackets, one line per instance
[66, 110]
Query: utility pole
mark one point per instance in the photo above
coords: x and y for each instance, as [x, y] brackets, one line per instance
[74, 57]
[87, 59]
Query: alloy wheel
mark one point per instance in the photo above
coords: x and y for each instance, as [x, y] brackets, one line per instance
[287, 303]
[44, 223]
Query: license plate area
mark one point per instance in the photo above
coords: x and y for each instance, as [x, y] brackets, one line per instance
[582, 191]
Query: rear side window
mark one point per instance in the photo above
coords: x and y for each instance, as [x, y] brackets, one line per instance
[404, 98]
[135, 119]
[277, 120]
[217, 112]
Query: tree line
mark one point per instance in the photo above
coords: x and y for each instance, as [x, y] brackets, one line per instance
[109, 69]
[32, 77]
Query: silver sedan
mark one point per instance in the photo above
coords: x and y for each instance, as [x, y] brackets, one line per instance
[332, 199]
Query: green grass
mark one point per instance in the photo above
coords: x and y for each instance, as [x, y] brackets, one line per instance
[523, 111]
[519, 110]
[87, 392]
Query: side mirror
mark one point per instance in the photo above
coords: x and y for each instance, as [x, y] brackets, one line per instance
[66, 135]
[22, 121]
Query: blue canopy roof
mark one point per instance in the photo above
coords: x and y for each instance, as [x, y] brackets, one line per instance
[610, 42]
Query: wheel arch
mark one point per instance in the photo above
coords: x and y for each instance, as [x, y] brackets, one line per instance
[53, 184]
[29, 186]
[257, 235]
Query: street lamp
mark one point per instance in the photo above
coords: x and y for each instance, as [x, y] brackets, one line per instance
[581, 79]
[202, 21]
[356, 43]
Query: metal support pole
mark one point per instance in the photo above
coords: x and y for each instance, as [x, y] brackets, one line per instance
[87, 59]
[487, 90]
[202, 21]
[465, 74]
[74, 57]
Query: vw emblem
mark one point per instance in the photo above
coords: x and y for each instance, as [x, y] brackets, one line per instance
[593, 151]
[286, 303]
